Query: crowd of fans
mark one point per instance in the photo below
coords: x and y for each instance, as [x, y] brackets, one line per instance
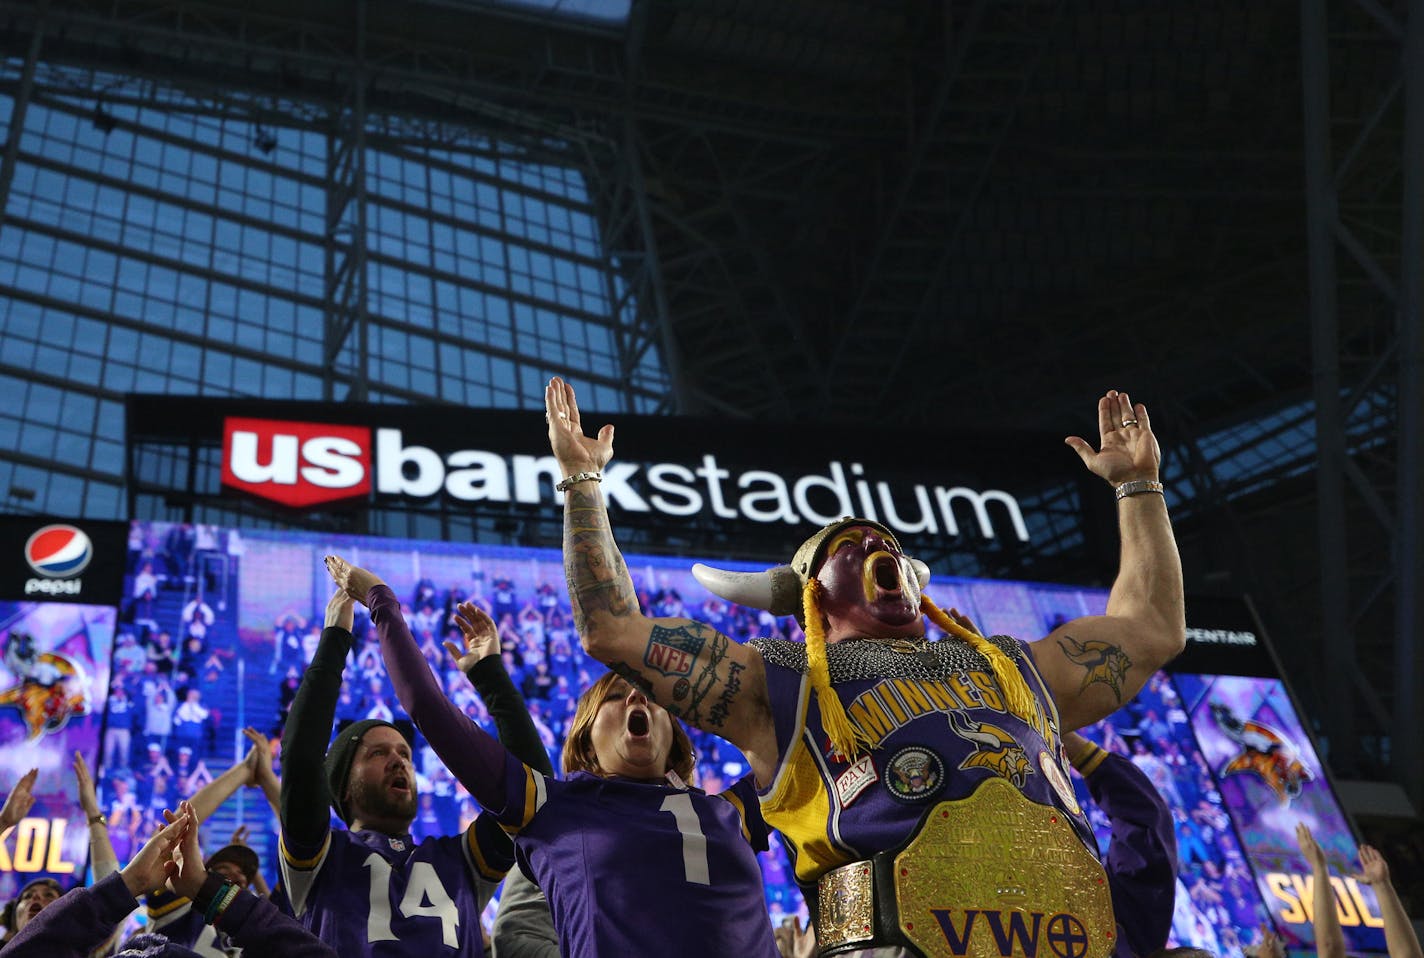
[172, 672]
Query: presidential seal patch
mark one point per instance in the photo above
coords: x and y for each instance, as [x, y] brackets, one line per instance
[914, 774]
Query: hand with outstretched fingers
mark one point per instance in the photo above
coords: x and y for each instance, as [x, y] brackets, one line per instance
[575, 452]
[481, 636]
[20, 800]
[1127, 449]
[153, 865]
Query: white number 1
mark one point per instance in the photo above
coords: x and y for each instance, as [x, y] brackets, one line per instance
[694, 843]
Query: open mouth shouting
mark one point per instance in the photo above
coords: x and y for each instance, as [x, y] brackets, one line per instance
[640, 723]
[881, 576]
[400, 785]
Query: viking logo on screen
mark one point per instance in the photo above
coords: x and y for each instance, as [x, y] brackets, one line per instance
[58, 553]
[305, 465]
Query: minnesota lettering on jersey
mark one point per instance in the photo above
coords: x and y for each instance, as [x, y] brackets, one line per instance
[892, 703]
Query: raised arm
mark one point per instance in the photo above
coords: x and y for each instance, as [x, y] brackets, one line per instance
[473, 756]
[101, 849]
[1096, 663]
[259, 769]
[305, 803]
[690, 669]
[81, 919]
[1400, 939]
[211, 796]
[1329, 938]
[480, 661]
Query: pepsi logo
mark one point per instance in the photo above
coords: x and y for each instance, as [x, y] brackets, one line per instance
[59, 551]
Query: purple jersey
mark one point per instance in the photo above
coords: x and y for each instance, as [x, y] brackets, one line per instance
[175, 918]
[367, 893]
[939, 728]
[640, 868]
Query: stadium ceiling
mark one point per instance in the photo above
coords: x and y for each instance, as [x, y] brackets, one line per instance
[964, 213]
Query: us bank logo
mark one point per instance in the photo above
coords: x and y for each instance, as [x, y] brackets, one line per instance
[58, 554]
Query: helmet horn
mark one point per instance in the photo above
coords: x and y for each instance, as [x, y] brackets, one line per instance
[777, 590]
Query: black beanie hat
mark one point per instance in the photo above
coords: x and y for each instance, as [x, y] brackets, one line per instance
[339, 758]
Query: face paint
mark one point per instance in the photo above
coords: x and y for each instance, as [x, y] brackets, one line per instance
[869, 589]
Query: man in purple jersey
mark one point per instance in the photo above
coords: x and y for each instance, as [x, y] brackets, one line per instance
[632, 859]
[371, 890]
[920, 786]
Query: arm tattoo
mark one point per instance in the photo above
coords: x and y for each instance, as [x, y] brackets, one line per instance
[597, 577]
[632, 676]
[687, 649]
[1102, 661]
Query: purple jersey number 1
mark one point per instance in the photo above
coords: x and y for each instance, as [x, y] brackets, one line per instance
[694, 843]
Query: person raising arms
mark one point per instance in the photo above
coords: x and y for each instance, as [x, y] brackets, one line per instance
[632, 859]
[873, 747]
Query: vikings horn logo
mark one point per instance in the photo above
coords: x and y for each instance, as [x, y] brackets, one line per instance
[1265, 753]
[994, 749]
[1105, 662]
[51, 687]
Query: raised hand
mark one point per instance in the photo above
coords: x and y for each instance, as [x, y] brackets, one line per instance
[239, 836]
[481, 636]
[20, 800]
[355, 580]
[187, 874]
[1309, 847]
[259, 757]
[575, 451]
[88, 800]
[1127, 449]
[153, 865]
[340, 609]
[793, 941]
[1374, 870]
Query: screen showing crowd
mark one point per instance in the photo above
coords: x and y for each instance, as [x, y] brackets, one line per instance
[217, 626]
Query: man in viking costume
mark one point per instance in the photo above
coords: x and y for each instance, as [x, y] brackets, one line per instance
[921, 786]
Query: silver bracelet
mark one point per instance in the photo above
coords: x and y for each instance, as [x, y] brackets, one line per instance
[1137, 487]
[577, 477]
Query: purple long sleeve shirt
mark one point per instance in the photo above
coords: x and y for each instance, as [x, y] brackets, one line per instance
[80, 920]
[1141, 860]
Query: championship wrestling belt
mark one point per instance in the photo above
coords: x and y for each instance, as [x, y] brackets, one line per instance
[987, 876]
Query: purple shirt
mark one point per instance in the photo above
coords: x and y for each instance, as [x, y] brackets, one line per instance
[641, 868]
[79, 921]
[1141, 859]
[384, 896]
[630, 868]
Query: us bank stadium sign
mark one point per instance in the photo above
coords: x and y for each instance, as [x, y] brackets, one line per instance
[308, 457]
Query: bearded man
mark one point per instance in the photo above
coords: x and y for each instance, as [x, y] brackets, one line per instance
[371, 889]
[921, 786]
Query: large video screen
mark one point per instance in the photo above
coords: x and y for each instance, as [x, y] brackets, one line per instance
[54, 672]
[217, 626]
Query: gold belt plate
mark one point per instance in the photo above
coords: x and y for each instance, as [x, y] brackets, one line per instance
[995, 875]
[846, 905]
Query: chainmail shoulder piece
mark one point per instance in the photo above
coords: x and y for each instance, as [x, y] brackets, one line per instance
[871, 659]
